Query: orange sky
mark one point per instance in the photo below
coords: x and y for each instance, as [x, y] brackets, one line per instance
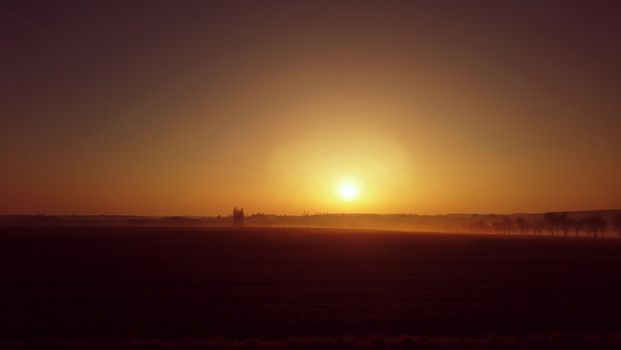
[165, 109]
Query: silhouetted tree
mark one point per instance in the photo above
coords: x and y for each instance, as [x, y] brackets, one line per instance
[523, 225]
[479, 227]
[595, 225]
[503, 227]
[550, 223]
[617, 224]
[557, 221]
[564, 223]
[538, 227]
[577, 225]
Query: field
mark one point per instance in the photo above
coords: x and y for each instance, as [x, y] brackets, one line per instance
[92, 287]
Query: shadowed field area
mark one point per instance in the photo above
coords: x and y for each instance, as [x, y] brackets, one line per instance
[185, 287]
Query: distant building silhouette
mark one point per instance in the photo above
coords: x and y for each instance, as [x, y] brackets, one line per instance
[238, 216]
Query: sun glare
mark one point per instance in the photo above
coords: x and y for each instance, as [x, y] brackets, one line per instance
[348, 190]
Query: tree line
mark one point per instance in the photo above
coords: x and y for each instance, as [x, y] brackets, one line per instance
[551, 224]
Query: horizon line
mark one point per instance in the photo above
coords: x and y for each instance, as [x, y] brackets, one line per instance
[315, 214]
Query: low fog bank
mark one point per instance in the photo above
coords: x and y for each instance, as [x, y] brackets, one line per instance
[583, 223]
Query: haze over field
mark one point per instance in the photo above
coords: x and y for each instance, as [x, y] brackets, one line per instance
[193, 107]
[310, 174]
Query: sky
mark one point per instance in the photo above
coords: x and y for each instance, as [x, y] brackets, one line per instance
[291, 107]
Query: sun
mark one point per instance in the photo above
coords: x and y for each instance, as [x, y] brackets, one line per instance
[348, 190]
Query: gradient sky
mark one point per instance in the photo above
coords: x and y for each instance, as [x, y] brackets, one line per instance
[192, 107]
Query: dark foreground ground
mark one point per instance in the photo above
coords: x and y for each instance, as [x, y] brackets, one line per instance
[205, 288]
